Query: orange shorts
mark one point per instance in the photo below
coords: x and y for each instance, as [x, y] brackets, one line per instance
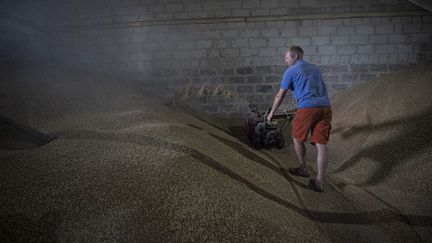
[317, 120]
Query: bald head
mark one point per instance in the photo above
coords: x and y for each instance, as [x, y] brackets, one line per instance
[296, 50]
[292, 54]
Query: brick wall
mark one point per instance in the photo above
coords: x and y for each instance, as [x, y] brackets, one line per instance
[237, 46]
[83, 12]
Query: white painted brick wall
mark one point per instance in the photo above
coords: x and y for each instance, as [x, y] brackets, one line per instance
[270, 51]
[384, 28]
[366, 49]
[345, 30]
[278, 42]
[346, 50]
[301, 41]
[247, 52]
[320, 40]
[327, 50]
[339, 40]
[359, 39]
[327, 30]
[378, 39]
[220, 46]
[257, 42]
[240, 43]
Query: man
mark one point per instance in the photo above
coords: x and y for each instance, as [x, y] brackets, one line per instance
[313, 112]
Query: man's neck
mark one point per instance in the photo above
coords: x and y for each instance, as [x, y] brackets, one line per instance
[296, 61]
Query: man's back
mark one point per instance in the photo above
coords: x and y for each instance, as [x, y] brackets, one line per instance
[306, 81]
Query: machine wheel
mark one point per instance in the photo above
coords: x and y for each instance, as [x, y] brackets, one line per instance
[256, 142]
[280, 141]
[248, 124]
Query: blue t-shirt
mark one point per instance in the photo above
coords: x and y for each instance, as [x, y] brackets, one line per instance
[306, 81]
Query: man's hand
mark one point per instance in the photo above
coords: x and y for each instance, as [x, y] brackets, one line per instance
[277, 101]
[270, 116]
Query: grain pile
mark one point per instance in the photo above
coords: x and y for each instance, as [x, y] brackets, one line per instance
[381, 132]
[380, 147]
[127, 167]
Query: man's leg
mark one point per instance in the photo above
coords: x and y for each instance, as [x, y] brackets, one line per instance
[321, 162]
[300, 150]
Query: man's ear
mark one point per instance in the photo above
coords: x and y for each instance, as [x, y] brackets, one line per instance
[293, 55]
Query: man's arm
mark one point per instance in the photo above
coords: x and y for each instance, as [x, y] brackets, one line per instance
[277, 101]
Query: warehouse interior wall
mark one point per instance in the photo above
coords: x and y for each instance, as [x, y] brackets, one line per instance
[218, 56]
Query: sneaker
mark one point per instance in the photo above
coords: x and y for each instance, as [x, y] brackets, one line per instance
[315, 186]
[298, 171]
